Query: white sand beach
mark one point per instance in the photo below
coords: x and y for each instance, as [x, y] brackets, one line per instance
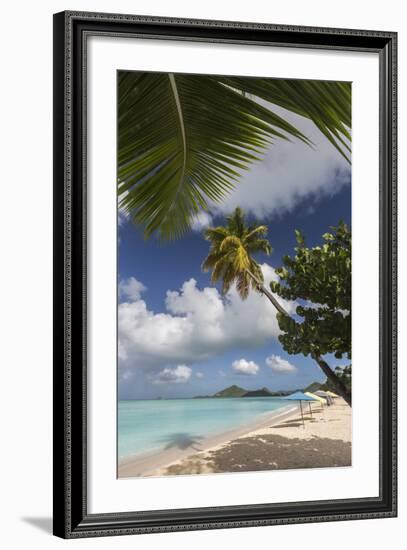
[274, 442]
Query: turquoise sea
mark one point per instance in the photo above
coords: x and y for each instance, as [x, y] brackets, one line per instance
[155, 425]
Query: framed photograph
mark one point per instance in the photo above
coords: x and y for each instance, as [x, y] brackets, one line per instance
[224, 274]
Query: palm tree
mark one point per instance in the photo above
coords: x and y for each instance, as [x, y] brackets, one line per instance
[183, 140]
[231, 261]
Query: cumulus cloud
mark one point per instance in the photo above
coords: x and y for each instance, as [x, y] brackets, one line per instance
[289, 172]
[131, 289]
[199, 374]
[201, 221]
[247, 368]
[177, 375]
[198, 324]
[279, 365]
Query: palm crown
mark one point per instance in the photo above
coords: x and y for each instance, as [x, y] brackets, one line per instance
[231, 253]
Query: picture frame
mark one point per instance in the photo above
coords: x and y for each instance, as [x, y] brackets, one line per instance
[71, 516]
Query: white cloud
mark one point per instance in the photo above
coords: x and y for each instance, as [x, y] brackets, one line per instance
[242, 366]
[177, 375]
[199, 374]
[199, 324]
[201, 221]
[131, 289]
[279, 365]
[288, 172]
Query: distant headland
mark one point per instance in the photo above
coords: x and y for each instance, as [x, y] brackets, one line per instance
[237, 391]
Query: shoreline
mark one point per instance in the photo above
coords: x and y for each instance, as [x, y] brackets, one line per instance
[275, 442]
[147, 464]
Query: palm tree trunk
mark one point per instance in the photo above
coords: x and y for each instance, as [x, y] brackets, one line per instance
[336, 382]
[326, 369]
[264, 290]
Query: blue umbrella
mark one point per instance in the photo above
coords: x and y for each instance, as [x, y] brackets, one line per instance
[300, 396]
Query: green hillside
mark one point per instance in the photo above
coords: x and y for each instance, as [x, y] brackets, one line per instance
[262, 392]
[315, 386]
[231, 391]
[237, 391]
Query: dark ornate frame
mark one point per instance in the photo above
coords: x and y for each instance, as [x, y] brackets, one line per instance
[71, 518]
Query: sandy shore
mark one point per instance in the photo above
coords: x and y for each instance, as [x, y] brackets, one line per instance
[274, 442]
[185, 445]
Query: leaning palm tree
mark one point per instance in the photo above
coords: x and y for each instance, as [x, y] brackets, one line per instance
[231, 256]
[231, 261]
[184, 139]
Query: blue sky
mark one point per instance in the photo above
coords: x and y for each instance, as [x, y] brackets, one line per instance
[178, 337]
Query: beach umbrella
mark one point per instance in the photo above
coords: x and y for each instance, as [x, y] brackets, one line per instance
[332, 394]
[326, 395]
[300, 396]
[322, 400]
[319, 398]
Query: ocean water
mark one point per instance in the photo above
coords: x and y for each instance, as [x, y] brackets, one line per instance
[154, 425]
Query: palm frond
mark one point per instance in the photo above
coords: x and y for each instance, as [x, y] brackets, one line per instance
[254, 232]
[231, 241]
[236, 222]
[327, 103]
[219, 270]
[183, 140]
[216, 234]
[243, 285]
[210, 261]
[259, 245]
[241, 260]
[228, 278]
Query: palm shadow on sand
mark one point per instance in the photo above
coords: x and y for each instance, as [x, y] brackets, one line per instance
[181, 440]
